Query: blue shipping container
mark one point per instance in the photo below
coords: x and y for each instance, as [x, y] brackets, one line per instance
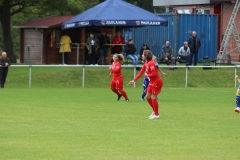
[179, 29]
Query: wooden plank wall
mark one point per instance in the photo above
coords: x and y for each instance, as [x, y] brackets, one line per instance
[32, 37]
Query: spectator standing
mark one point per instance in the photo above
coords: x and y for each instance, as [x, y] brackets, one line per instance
[92, 45]
[184, 52]
[103, 39]
[168, 53]
[65, 46]
[194, 44]
[5, 63]
[130, 50]
[118, 39]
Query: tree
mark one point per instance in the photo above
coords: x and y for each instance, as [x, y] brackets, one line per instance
[147, 5]
[5, 15]
[8, 8]
[90, 3]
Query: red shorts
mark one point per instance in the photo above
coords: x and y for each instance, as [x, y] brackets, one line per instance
[117, 83]
[155, 87]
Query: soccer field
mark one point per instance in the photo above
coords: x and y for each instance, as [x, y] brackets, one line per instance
[74, 123]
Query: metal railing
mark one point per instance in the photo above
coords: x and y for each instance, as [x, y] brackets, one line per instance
[123, 66]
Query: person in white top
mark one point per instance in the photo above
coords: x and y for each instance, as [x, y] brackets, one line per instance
[184, 53]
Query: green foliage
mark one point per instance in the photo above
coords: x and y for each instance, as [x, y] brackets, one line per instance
[30, 10]
[73, 123]
[147, 5]
[1, 39]
[61, 7]
[89, 4]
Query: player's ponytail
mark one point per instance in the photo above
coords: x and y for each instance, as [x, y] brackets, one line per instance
[120, 58]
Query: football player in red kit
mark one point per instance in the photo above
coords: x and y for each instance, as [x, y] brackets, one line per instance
[155, 84]
[117, 80]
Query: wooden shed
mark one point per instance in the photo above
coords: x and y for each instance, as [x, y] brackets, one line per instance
[44, 37]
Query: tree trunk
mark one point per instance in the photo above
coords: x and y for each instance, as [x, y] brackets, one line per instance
[5, 18]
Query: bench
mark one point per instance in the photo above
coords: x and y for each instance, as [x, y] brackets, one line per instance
[163, 61]
[217, 61]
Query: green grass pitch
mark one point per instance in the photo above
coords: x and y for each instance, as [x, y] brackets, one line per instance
[74, 123]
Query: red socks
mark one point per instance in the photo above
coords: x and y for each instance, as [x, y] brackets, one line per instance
[150, 103]
[120, 92]
[124, 94]
[155, 106]
[115, 91]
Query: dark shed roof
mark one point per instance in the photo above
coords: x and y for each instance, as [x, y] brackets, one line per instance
[47, 22]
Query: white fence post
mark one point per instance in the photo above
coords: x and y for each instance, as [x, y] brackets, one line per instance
[186, 84]
[134, 75]
[83, 76]
[30, 77]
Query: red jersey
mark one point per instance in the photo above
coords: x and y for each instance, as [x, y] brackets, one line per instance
[151, 70]
[118, 40]
[116, 70]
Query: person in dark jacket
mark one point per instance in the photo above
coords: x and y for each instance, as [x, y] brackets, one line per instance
[92, 45]
[194, 44]
[144, 47]
[5, 63]
[130, 50]
[103, 39]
